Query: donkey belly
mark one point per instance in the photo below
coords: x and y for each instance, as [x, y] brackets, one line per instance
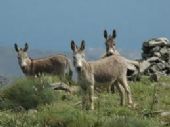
[103, 78]
[103, 82]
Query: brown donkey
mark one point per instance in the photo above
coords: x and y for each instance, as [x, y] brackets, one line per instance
[58, 64]
[111, 70]
[110, 42]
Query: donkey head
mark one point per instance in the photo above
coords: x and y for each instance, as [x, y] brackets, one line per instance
[78, 55]
[23, 58]
[110, 42]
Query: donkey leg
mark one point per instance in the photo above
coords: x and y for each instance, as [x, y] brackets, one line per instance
[124, 83]
[113, 90]
[91, 96]
[84, 99]
[121, 93]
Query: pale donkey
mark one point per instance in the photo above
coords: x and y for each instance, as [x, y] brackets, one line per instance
[111, 70]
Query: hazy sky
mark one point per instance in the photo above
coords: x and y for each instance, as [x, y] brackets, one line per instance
[51, 24]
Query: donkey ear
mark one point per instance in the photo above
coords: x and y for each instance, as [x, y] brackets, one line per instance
[73, 45]
[114, 33]
[105, 34]
[82, 45]
[26, 47]
[16, 47]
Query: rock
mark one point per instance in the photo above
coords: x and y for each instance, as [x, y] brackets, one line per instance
[163, 51]
[155, 49]
[32, 111]
[165, 85]
[155, 77]
[145, 55]
[165, 118]
[156, 42]
[157, 54]
[133, 70]
[163, 114]
[144, 65]
[160, 66]
[64, 87]
[166, 57]
[153, 69]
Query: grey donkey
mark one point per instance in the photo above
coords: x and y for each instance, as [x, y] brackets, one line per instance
[111, 70]
[57, 65]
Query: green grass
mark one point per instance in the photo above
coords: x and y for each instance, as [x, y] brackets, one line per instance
[64, 111]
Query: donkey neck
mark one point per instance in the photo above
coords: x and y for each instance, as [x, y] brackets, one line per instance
[29, 61]
[28, 69]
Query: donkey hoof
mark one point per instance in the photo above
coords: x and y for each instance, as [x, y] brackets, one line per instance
[132, 105]
[92, 108]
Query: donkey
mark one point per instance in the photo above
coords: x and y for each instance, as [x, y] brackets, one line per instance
[58, 64]
[91, 74]
[110, 42]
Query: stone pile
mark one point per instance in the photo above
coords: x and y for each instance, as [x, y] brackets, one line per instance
[156, 57]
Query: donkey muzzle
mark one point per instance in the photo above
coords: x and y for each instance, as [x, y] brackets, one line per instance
[78, 69]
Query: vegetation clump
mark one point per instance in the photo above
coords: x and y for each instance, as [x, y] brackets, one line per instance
[26, 94]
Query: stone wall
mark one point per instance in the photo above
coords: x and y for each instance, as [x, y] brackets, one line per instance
[156, 56]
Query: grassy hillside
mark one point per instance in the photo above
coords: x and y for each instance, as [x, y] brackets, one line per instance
[28, 103]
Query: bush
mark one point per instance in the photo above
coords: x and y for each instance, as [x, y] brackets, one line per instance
[26, 93]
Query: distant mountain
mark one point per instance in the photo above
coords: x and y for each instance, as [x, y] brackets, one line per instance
[3, 81]
[9, 64]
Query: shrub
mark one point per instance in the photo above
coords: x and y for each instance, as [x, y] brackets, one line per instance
[26, 93]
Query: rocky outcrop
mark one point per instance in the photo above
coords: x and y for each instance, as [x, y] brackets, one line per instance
[156, 56]
[155, 59]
